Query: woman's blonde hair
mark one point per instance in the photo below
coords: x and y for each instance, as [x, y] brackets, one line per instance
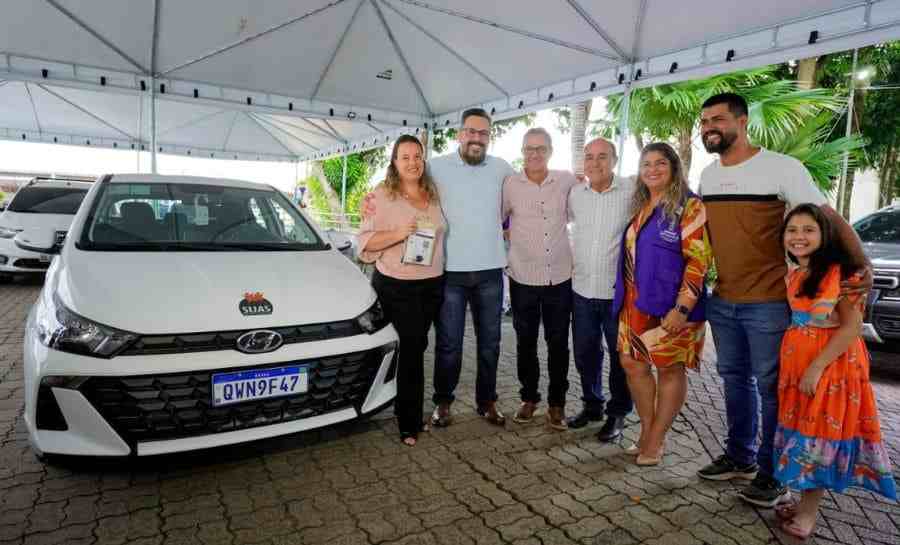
[392, 178]
[676, 192]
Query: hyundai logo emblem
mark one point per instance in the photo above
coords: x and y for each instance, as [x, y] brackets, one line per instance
[259, 341]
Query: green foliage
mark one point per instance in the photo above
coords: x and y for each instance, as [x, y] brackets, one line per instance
[782, 117]
[357, 170]
[354, 199]
[315, 195]
[876, 109]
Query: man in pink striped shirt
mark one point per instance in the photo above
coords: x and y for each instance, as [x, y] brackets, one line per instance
[540, 274]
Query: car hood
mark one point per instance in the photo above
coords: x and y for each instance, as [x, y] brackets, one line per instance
[31, 223]
[883, 255]
[187, 292]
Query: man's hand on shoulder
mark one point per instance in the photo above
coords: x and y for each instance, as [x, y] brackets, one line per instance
[367, 206]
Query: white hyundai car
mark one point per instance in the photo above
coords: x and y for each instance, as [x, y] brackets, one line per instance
[43, 205]
[184, 313]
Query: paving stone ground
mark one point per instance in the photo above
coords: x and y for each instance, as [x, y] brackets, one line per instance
[356, 484]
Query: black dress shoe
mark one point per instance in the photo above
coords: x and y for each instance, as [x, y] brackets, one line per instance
[612, 429]
[581, 419]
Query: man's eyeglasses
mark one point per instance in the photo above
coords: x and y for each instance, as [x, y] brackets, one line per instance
[540, 150]
[472, 133]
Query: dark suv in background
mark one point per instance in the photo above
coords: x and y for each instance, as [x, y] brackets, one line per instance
[880, 234]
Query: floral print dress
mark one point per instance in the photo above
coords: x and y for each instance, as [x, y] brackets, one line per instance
[641, 336]
[833, 438]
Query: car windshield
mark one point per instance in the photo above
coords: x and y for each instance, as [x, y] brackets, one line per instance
[47, 200]
[879, 227]
[192, 217]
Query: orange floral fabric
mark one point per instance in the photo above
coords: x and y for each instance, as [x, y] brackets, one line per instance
[641, 335]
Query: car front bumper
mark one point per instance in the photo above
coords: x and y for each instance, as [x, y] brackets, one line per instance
[16, 260]
[881, 322]
[147, 405]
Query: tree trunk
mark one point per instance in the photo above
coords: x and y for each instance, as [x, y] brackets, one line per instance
[845, 190]
[886, 175]
[685, 150]
[580, 114]
[807, 72]
[336, 218]
[847, 193]
[639, 142]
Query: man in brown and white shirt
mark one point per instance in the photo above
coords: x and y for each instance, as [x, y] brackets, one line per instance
[540, 273]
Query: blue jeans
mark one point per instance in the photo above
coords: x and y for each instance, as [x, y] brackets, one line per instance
[484, 291]
[593, 320]
[748, 341]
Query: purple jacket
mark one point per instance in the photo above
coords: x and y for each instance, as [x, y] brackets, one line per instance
[658, 269]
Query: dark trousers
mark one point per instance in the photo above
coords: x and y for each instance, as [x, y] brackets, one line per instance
[553, 305]
[483, 290]
[411, 306]
[592, 321]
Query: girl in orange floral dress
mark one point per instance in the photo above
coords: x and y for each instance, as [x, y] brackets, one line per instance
[828, 433]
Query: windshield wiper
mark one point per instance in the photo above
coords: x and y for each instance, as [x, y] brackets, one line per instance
[273, 246]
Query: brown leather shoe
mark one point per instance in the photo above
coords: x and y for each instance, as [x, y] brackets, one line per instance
[556, 418]
[491, 413]
[525, 413]
[441, 417]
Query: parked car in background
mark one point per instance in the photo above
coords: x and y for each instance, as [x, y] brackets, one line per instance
[880, 234]
[40, 207]
[184, 313]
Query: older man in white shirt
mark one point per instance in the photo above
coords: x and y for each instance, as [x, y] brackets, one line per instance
[600, 210]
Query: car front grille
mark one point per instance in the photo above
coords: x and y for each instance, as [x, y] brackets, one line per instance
[148, 345]
[178, 405]
[31, 264]
[887, 324]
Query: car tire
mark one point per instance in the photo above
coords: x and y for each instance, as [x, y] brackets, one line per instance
[6, 278]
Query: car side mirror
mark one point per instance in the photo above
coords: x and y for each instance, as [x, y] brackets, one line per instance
[43, 242]
[342, 242]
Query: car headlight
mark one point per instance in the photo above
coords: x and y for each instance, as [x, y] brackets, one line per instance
[61, 329]
[373, 319]
[6, 232]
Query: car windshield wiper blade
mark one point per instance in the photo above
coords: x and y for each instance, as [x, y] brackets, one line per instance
[273, 246]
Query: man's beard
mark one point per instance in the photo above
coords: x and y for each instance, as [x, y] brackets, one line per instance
[725, 141]
[473, 158]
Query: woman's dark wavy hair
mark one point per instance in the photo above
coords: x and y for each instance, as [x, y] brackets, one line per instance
[831, 252]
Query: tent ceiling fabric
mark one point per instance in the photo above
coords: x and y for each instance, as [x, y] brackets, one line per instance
[252, 78]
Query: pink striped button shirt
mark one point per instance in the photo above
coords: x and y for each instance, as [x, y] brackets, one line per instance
[539, 250]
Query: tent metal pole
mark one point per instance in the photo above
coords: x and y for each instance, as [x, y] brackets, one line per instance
[623, 128]
[839, 201]
[344, 184]
[153, 125]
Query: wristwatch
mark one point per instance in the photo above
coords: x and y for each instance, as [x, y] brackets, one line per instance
[683, 309]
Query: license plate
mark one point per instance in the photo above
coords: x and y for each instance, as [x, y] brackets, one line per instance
[258, 384]
[45, 258]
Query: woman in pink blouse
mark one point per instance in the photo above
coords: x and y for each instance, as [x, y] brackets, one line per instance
[405, 240]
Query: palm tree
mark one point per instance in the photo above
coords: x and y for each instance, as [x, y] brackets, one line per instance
[580, 114]
[780, 114]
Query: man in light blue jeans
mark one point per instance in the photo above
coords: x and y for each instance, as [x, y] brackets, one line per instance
[746, 194]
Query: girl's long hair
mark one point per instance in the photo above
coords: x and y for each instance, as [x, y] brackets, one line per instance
[392, 178]
[831, 252]
[677, 191]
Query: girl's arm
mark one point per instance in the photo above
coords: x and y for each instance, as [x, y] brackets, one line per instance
[851, 320]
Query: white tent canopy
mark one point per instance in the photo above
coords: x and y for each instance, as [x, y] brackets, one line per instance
[303, 79]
